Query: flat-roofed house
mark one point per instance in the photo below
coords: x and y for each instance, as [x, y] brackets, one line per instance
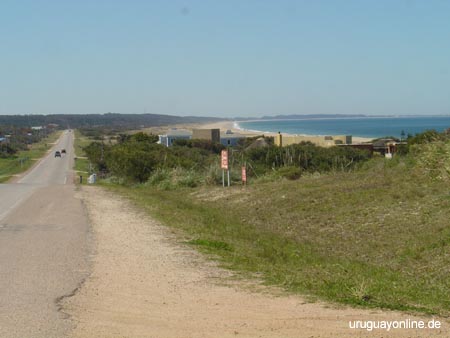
[174, 134]
[231, 139]
[212, 135]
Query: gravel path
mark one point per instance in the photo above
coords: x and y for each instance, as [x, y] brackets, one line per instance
[144, 283]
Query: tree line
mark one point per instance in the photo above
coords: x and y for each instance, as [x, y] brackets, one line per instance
[118, 121]
[14, 139]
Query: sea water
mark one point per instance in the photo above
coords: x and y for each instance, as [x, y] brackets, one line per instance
[360, 127]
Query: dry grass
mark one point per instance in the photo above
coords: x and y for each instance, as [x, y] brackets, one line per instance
[378, 237]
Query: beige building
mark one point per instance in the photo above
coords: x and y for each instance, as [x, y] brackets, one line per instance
[212, 135]
[322, 141]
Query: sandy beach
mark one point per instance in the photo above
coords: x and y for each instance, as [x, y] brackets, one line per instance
[231, 125]
[224, 126]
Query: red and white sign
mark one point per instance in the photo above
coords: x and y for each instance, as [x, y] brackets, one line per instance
[224, 159]
[244, 175]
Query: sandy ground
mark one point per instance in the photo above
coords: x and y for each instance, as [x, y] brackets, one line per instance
[146, 283]
[229, 125]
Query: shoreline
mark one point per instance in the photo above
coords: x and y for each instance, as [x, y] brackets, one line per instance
[235, 128]
[342, 118]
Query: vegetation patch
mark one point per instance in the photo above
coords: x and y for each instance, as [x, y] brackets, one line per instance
[376, 235]
[137, 158]
[211, 244]
[21, 160]
[82, 165]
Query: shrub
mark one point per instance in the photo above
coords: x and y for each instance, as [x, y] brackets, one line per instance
[158, 176]
[135, 161]
[207, 145]
[433, 159]
[213, 175]
[425, 137]
[306, 156]
[6, 150]
[291, 173]
[96, 151]
[168, 179]
[190, 180]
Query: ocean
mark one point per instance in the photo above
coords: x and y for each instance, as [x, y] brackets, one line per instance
[359, 127]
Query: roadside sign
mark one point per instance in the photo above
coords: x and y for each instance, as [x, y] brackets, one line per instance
[244, 175]
[224, 159]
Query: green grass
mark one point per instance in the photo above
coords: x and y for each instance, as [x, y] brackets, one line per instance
[81, 165]
[212, 245]
[378, 237]
[24, 159]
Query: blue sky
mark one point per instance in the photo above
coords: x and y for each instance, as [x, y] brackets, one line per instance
[225, 58]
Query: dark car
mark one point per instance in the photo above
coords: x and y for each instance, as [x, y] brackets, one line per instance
[63, 151]
[57, 154]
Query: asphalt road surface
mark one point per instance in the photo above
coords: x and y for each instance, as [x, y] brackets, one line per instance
[44, 247]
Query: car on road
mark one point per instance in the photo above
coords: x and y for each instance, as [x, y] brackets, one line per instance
[63, 151]
[57, 154]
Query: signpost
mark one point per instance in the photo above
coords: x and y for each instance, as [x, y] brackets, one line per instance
[244, 175]
[225, 159]
[224, 166]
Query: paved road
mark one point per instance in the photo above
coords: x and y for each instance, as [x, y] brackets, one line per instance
[44, 247]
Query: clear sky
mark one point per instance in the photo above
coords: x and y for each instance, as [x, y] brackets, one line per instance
[225, 58]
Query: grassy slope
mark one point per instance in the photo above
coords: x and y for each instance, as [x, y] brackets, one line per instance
[81, 162]
[378, 237]
[24, 159]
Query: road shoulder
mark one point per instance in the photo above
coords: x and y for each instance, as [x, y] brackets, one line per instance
[144, 283]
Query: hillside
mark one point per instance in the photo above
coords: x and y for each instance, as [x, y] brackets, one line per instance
[378, 236]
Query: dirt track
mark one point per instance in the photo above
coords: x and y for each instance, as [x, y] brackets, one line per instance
[146, 284]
